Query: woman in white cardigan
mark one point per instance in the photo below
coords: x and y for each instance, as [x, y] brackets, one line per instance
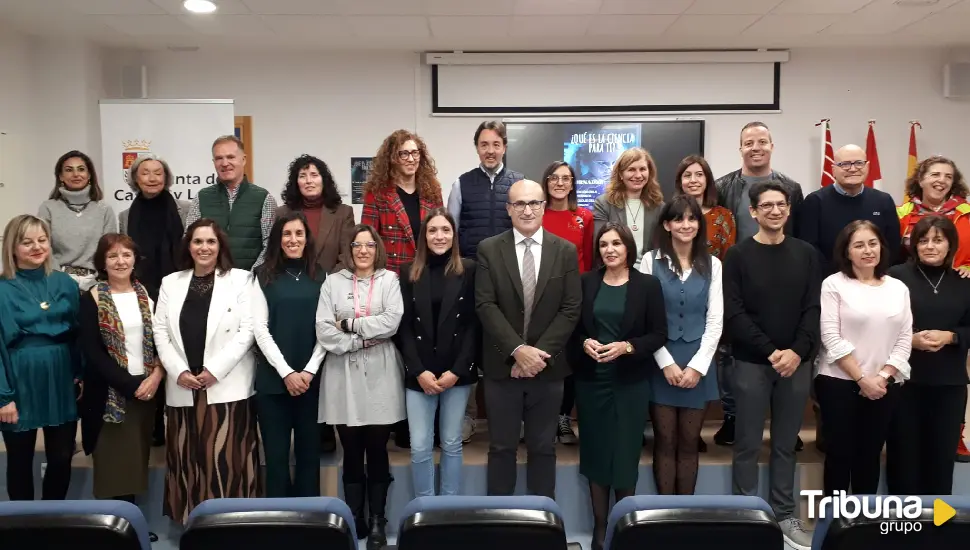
[867, 331]
[204, 336]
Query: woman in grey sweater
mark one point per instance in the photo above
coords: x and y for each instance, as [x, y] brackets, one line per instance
[77, 217]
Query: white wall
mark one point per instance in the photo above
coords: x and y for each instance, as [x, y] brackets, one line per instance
[337, 106]
[15, 121]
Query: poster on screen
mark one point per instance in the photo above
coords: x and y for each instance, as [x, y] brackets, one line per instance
[179, 131]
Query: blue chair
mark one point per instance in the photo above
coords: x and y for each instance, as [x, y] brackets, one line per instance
[270, 524]
[481, 523]
[693, 522]
[898, 534]
[78, 524]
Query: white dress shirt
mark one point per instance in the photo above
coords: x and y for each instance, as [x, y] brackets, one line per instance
[713, 321]
[129, 313]
[536, 249]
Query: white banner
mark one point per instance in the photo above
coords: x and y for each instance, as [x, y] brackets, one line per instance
[179, 131]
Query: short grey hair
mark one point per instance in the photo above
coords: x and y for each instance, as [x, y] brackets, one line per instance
[133, 171]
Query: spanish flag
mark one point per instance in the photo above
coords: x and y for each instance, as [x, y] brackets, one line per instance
[913, 158]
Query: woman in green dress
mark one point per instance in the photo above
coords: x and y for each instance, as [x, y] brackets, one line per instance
[39, 360]
[623, 323]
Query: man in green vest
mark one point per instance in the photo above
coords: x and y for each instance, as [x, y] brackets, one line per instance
[242, 209]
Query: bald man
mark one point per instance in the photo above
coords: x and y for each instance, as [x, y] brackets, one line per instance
[825, 212]
[528, 298]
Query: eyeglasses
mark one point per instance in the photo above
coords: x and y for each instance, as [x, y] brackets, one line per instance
[557, 179]
[404, 155]
[535, 206]
[857, 164]
[371, 245]
[769, 206]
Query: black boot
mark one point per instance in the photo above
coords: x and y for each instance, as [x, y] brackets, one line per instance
[328, 440]
[354, 495]
[376, 501]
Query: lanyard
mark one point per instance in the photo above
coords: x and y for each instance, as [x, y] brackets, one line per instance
[370, 294]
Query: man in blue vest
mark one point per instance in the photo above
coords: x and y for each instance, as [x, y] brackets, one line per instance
[477, 202]
[242, 209]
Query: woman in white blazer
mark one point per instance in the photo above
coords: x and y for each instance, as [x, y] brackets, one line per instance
[204, 336]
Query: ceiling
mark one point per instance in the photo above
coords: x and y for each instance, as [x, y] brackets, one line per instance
[490, 25]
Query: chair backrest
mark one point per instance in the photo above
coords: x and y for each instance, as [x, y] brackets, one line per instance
[481, 523]
[693, 522]
[841, 533]
[271, 523]
[79, 524]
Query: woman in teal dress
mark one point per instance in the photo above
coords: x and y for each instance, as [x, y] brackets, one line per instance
[684, 382]
[39, 360]
[623, 323]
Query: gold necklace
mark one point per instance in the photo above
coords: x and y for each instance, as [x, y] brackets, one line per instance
[44, 304]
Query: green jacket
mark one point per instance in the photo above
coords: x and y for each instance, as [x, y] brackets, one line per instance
[241, 223]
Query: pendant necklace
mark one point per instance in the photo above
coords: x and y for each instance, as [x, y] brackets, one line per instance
[634, 216]
[297, 276]
[937, 285]
[44, 304]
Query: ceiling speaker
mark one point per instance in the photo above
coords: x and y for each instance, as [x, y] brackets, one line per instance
[956, 80]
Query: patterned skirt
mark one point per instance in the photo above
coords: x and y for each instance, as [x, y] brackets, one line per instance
[213, 452]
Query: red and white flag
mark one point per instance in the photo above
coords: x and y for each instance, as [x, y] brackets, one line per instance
[875, 174]
[827, 153]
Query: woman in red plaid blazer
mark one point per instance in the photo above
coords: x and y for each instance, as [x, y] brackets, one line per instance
[401, 189]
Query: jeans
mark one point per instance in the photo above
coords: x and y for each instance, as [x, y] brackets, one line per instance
[421, 412]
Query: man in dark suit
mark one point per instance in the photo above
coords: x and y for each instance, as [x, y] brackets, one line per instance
[528, 297]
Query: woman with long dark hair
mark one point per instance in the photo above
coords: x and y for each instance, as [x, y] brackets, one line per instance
[77, 216]
[287, 386]
[684, 381]
[439, 341]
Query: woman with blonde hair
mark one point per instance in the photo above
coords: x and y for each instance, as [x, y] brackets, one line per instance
[632, 198]
[40, 367]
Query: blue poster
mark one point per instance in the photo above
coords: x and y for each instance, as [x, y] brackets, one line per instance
[592, 149]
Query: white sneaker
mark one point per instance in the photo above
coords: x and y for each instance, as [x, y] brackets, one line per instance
[795, 534]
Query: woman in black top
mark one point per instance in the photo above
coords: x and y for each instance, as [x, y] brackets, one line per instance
[439, 336]
[623, 322]
[919, 451]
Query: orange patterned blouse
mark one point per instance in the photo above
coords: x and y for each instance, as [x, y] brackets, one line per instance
[721, 231]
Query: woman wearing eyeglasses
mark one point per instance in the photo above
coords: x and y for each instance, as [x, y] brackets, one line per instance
[362, 385]
[565, 218]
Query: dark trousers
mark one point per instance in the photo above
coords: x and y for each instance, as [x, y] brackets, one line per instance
[509, 403]
[369, 441]
[855, 429]
[758, 388]
[280, 415]
[925, 431]
[59, 445]
[568, 396]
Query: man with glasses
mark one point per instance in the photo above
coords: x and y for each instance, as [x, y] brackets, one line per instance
[732, 193]
[528, 298]
[772, 285]
[477, 202]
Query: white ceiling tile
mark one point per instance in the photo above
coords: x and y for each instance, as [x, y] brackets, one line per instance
[228, 25]
[553, 25]
[557, 7]
[710, 25]
[292, 7]
[629, 25]
[466, 26]
[948, 23]
[732, 7]
[309, 25]
[379, 7]
[785, 25]
[225, 7]
[147, 25]
[110, 7]
[639, 7]
[377, 26]
[961, 7]
[877, 18]
[468, 7]
[820, 6]
[890, 6]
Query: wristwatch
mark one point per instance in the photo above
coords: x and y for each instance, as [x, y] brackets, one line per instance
[629, 347]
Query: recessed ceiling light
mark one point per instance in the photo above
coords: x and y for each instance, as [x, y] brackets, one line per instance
[199, 6]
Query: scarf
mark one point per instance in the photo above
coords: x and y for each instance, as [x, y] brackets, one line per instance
[920, 210]
[156, 227]
[113, 335]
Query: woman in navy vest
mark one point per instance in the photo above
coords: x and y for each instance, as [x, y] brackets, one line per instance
[684, 381]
